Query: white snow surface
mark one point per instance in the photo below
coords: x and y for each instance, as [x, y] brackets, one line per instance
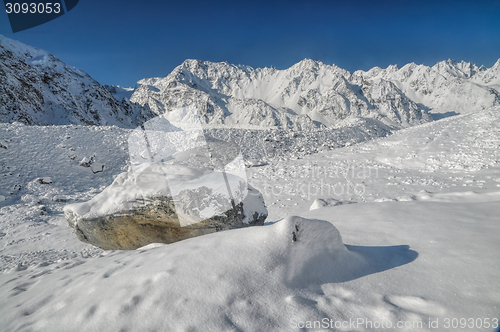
[420, 245]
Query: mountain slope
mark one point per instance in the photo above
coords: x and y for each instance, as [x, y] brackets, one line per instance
[38, 89]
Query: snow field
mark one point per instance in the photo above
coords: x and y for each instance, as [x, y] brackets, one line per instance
[422, 245]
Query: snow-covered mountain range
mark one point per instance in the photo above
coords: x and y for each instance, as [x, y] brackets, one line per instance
[447, 87]
[307, 95]
[311, 93]
[38, 89]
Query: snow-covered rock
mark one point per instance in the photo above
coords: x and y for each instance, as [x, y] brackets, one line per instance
[157, 221]
[178, 195]
[86, 161]
[36, 88]
[45, 180]
[123, 218]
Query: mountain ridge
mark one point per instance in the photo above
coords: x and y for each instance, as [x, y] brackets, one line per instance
[39, 89]
[36, 88]
[311, 93]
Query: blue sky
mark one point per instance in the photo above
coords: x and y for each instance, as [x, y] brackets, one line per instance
[120, 42]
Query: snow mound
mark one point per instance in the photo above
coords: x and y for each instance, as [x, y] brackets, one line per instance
[157, 279]
[319, 203]
[316, 253]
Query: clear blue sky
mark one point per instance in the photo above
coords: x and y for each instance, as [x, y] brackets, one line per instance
[120, 42]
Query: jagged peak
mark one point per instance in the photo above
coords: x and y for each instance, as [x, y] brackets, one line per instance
[410, 65]
[462, 69]
[447, 62]
[451, 63]
[496, 65]
[307, 61]
[191, 65]
[306, 64]
[309, 64]
[392, 68]
[375, 69]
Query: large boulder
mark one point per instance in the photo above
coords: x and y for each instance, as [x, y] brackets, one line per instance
[156, 219]
[172, 196]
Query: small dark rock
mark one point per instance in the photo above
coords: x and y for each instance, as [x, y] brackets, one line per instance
[45, 180]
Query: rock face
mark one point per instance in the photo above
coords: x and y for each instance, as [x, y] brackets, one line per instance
[179, 185]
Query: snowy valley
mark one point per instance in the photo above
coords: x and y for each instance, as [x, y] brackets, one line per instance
[382, 190]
